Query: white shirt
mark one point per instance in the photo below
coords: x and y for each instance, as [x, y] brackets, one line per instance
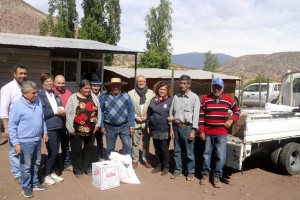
[52, 101]
[10, 93]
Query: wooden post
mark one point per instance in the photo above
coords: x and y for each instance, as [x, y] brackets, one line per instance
[268, 90]
[259, 93]
[172, 83]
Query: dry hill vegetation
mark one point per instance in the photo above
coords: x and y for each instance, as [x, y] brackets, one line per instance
[272, 66]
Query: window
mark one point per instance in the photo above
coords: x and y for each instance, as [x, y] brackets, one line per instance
[296, 85]
[252, 88]
[66, 68]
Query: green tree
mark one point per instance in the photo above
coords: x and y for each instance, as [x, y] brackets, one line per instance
[62, 25]
[158, 34]
[211, 62]
[101, 22]
[259, 78]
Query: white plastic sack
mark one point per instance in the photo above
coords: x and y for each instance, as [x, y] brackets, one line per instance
[126, 171]
[279, 108]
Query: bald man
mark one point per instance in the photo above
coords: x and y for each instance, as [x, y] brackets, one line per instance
[59, 88]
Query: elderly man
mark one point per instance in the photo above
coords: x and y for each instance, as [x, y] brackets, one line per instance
[117, 116]
[10, 93]
[141, 97]
[64, 94]
[214, 125]
[184, 113]
[26, 127]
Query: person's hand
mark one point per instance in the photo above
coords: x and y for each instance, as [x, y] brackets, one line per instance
[45, 138]
[143, 118]
[72, 133]
[96, 129]
[148, 130]
[18, 149]
[170, 118]
[103, 131]
[138, 119]
[202, 136]
[61, 112]
[171, 133]
[131, 131]
[192, 135]
[228, 123]
[6, 132]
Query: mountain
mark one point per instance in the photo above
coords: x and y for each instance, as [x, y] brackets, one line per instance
[273, 66]
[196, 60]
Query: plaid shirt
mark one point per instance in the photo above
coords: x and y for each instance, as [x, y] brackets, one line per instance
[116, 110]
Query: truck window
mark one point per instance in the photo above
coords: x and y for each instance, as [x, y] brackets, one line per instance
[252, 88]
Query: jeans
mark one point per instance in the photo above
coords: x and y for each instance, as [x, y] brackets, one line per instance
[82, 157]
[30, 160]
[141, 132]
[182, 143]
[52, 163]
[65, 149]
[99, 138]
[112, 133]
[14, 161]
[215, 145]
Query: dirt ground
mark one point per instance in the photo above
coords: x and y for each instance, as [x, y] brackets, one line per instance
[257, 181]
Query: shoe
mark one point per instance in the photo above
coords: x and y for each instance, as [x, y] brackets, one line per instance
[27, 192]
[78, 175]
[216, 182]
[204, 179]
[190, 177]
[88, 172]
[147, 165]
[165, 172]
[39, 187]
[156, 169]
[18, 180]
[69, 168]
[175, 175]
[135, 165]
[49, 181]
[56, 178]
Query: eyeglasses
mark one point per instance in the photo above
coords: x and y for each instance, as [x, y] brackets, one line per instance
[141, 81]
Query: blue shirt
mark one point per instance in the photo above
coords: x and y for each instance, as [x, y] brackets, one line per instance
[116, 110]
[26, 122]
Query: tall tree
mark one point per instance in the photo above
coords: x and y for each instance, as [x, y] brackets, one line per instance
[211, 62]
[158, 34]
[63, 25]
[101, 22]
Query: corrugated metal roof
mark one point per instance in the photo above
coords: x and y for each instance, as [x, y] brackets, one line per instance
[166, 73]
[45, 42]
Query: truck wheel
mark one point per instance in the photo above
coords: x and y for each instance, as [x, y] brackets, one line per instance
[289, 159]
[275, 158]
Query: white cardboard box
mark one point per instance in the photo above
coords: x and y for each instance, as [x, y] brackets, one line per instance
[105, 175]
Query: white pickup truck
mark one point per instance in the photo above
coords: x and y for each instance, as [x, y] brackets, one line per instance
[251, 94]
[275, 129]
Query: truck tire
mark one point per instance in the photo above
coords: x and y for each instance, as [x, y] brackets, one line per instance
[289, 159]
[275, 158]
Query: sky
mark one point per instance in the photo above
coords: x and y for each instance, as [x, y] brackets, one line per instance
[233, 27]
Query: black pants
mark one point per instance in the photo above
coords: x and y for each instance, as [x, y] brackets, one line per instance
[82, 157]
[161, 148]
[52, 163]
[65, 149]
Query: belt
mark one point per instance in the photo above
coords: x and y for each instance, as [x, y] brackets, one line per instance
[183, 124]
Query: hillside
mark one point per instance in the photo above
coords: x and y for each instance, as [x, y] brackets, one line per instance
[196, 60]
[273, 65]
[16, 16]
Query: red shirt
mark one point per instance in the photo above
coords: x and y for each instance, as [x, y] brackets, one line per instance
[214, 113]
[64, 95]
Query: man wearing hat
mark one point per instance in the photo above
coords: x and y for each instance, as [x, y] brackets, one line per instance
[96, 89]
[117, 116]
[213, 126]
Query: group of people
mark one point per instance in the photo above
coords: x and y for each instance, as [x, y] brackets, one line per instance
[62, 119]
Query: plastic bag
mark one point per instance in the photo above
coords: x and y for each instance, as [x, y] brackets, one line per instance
[126, 171]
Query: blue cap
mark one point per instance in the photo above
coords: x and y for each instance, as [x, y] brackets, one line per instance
[218, 81]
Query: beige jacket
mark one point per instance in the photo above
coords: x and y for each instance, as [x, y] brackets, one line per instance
[136, 103]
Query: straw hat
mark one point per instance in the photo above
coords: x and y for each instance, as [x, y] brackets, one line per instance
[115, 80]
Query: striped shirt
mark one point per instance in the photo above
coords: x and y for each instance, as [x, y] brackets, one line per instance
[214, 113]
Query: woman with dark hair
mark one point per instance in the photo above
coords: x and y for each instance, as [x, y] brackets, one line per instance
[54, 114]
[83, 116]
[159, 127]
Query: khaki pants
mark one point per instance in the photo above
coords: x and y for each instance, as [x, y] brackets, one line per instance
[138, 133]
